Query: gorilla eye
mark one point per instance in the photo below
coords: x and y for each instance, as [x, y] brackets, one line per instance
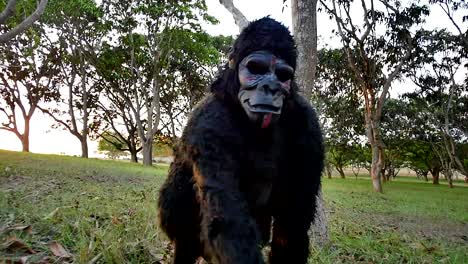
[255, 67]
[284, 74]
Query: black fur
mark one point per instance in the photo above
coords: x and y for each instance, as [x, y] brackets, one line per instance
[231, 180]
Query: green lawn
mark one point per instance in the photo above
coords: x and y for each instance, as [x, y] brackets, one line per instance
[105, 212]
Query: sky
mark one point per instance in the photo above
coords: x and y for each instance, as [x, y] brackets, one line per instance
[44, 139]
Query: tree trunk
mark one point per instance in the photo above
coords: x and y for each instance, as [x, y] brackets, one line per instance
[84, 93]
[376, 169]
[304, 18]
[148, 153]
[25, 137]
[328, 169]
[133, 156]
[449, 176]
[25, 143]
[387, 172]
[391, 173]
[373, 135]
[425, 176]
[384, 169]
[84, 147]
[435, 176]
[319, 228]
[341, 172]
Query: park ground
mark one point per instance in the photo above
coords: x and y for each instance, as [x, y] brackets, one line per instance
[59, 209]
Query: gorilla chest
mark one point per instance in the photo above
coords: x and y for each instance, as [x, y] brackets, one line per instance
[259, 169]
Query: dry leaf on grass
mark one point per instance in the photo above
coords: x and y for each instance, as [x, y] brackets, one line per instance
[24, 259]
[48, 260]
[13, 244]
[25, 228]
[116, 220]
[58, 250]
[55, 211]
[15, 261]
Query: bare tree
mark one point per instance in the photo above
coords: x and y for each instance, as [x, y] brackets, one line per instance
[146, 57]
[442, 95]
[369, 55]
[81, 35]
[80, 102]
[28, 77]
[25, 24]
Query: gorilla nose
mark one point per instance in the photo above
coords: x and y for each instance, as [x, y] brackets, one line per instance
[270, 88]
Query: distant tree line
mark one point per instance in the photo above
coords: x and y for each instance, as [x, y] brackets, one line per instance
[124, 71]
[426, 128]
[129, 73]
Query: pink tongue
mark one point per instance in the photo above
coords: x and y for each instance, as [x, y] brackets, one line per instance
[266, 120]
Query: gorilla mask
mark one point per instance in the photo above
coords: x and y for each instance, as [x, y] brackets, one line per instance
[265, 81]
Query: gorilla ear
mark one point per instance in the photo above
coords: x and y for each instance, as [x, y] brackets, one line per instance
[232, 61]
[232, 64]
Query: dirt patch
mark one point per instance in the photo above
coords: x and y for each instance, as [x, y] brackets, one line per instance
[108, 179]
[29, 188]
[13, 182]
[425, 227]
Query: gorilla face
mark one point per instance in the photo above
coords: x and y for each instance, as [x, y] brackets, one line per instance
[265, 81]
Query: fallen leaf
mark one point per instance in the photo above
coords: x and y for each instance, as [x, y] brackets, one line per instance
[13, 244]
[11, 261]
[46, 260]
[430, 249]
[24, 259]
[58, 250]
[52, 214]
[55, 211]
[131, 211]
[116, 220]
[158, 257]
[24, 228]
[95, 259]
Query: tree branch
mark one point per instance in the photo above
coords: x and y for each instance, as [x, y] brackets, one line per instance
[63, 123]
[239, 18]
[369, 25]
[25, 24]
[446, 10]
[8, 12]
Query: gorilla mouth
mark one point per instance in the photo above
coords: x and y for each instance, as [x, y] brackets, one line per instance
[264, 108]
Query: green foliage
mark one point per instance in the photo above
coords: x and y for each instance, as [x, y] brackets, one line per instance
[340, 109]
[161, 149]
[109, 144]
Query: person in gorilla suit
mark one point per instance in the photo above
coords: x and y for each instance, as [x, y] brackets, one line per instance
[249, 160]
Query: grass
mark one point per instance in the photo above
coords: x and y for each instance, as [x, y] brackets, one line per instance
[412, 222]
[105, 212]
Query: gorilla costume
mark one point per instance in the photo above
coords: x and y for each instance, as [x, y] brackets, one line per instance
[249, 161]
